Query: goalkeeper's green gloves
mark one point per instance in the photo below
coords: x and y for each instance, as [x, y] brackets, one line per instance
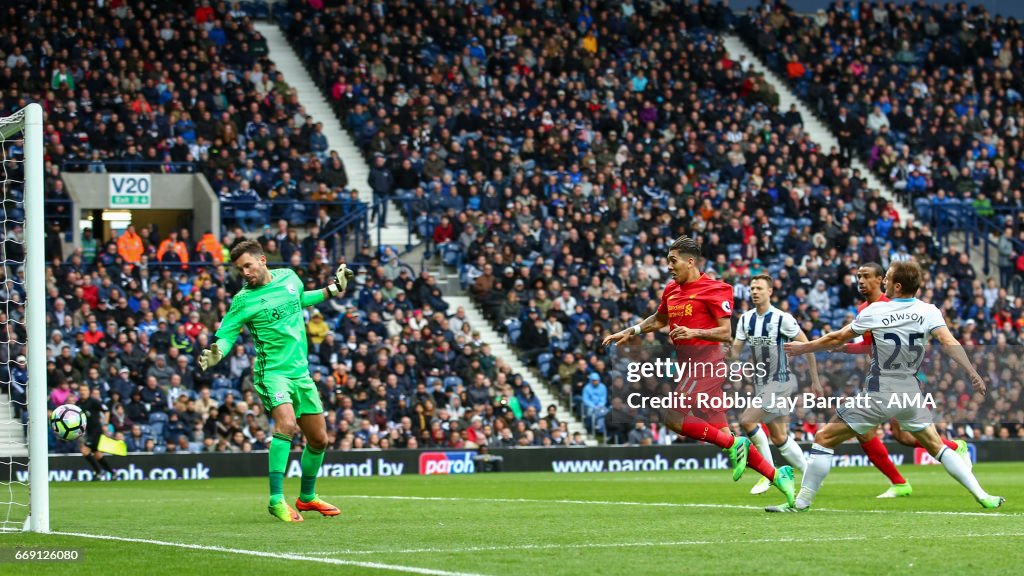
[210, 357]
[341, 279]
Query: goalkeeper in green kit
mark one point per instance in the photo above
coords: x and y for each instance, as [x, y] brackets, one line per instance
[270, 306]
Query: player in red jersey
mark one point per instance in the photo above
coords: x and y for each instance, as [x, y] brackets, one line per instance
[697, 310]
[869, 282]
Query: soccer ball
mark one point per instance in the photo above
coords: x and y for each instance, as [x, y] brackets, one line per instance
[68, 422]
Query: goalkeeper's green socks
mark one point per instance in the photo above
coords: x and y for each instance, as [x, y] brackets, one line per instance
[311, 461]
[279, 449]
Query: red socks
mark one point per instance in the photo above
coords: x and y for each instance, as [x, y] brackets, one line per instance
[949, 444]
[698, 429]
[757, 462]
[879, 456]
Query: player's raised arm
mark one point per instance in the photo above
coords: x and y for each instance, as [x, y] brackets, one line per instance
[652, 323]
[862, 347]
[952, 347]
[826, 342]
[335, 288]
[864, 322]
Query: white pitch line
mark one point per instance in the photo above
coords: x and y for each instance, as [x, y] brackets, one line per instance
[645, 544]
[277, 555]
[605, 503]
[663, 505]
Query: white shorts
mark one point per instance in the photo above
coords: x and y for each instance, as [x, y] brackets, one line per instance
[906, 408]
[770, 395]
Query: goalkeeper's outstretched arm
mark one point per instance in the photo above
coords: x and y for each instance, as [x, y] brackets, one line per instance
[336, 288]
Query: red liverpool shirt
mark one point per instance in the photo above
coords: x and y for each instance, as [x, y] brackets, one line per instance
[697, 304]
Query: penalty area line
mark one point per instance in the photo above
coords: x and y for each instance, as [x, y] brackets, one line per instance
[663, 505]
[276, 555]
[646, 544]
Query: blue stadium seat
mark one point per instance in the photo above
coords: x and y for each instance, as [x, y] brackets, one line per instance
[257, 9]
[734, 250]
[512, 328]
[544, 363]
[452, 382]
[452, 254]
[157, 418]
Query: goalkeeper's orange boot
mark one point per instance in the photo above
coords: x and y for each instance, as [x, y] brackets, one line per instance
[317, 505]
[284, 512]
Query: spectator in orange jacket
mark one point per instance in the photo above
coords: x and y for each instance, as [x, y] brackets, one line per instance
[129, 245]
[209, 243]
[172, 249]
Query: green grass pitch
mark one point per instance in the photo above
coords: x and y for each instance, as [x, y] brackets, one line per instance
[496, 524]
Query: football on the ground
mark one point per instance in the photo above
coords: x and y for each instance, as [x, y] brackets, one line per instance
[67, 422]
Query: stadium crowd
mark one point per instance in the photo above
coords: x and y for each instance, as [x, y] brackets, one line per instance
[557, 149]
[170, 87]
[156, 87]
[929, 96]
[394, 366]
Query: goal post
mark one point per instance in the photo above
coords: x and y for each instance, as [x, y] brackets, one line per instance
[24, 130]
[35, 285]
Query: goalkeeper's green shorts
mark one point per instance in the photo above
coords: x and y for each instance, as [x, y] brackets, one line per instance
[301, 393]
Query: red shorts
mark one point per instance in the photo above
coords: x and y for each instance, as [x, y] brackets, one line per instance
[704, 389]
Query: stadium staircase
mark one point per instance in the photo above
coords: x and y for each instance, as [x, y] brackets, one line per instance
[12, 433]
[296, 75]
[396, 232]
[819, 133]
[813, 126]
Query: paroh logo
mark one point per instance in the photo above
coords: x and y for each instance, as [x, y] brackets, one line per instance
[446, 463]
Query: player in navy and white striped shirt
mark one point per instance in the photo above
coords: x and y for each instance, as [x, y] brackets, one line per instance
[765, 329]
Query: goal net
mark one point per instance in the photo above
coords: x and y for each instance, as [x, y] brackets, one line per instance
[24, 498]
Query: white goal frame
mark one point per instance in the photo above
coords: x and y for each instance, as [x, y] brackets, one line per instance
[29, 121]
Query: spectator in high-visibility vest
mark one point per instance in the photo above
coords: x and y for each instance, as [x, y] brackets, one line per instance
[129, 245]
[172, 249]
[209, 243]
[89, 246]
